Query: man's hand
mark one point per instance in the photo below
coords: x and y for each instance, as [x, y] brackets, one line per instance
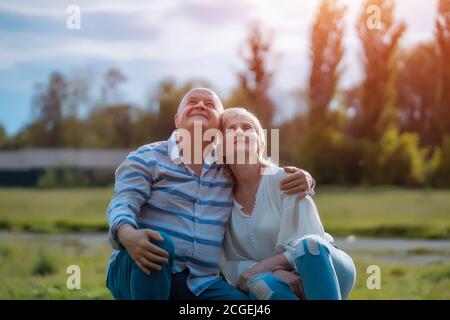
[145, 254]
[296, 183]
[292, 280]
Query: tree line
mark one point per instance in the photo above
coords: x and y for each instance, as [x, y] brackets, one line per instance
[391, 128]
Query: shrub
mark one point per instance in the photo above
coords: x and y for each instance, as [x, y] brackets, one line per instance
[48, 180]
[62, 179]
[44, 266]
[440, 165]
[400, 158]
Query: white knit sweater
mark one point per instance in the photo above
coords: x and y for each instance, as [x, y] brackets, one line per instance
[275, 220]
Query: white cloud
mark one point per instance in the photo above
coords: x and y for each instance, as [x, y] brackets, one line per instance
[188, 39]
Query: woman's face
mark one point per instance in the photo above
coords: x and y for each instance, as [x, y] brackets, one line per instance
[240, 141]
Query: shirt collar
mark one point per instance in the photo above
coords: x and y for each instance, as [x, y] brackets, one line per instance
[175, 152]
[173, 149]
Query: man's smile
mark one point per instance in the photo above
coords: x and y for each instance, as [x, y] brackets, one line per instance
[198, 114]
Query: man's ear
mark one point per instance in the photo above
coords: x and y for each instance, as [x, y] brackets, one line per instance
[176, 120]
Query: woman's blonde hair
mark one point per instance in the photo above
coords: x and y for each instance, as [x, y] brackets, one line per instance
[231, 113]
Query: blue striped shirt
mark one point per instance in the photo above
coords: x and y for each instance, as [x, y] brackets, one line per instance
[155, 189]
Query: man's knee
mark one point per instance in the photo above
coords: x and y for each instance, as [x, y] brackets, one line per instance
[167, 244]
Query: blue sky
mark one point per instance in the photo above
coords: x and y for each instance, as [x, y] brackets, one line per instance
[183, 39]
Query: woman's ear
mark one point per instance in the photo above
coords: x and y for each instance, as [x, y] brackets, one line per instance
[261, 149]
[176, 119]
[219, 145]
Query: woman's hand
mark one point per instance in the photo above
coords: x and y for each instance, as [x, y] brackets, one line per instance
[292, 280]
[147, 256]
[267, 265]
[260, 267]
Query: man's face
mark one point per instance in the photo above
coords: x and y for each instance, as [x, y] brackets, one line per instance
[201, 107]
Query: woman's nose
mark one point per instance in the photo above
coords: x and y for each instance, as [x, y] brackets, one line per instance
[239, 132]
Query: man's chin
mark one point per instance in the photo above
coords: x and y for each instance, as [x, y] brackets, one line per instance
[200, 122]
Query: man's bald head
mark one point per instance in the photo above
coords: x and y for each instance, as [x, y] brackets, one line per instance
[204, 92]
[199, 105]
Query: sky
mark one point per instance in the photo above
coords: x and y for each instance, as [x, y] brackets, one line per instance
[182, 39]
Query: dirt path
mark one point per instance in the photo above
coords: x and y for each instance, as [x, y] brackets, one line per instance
[391, 250]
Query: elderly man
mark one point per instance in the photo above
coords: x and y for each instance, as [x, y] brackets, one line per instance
[168, 215]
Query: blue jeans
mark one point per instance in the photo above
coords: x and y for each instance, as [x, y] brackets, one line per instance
[327, 273]
[126, 281]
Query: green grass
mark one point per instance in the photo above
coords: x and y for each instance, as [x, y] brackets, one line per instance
[385, 211]
[37, 270]
[378, 212]
[405, 282]
[34, 267]
[64, 210]
[19, 258]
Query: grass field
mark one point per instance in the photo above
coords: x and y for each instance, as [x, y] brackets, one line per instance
[34, 267]
[380, 212]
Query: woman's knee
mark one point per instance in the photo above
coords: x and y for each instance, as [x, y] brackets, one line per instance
[346, 274]
[312, 245]
[313, 252]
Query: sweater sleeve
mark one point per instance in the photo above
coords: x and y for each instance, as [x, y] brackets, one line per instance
[133, 179]
[298, 219]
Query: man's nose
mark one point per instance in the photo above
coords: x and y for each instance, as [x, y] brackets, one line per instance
[200, 105]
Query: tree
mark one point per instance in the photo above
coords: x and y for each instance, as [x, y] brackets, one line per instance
[78, 92]
[326, 54]
[443, 43]
[48, 104]
[379, 40]
[416, 86]
[255, 81]
[112, 126]
[2, 132]
[3, 135]
[55, 107]
[112, 81]
[78, 95]
[74, 132]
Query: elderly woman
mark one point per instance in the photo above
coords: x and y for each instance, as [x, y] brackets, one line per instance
[275, 246]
